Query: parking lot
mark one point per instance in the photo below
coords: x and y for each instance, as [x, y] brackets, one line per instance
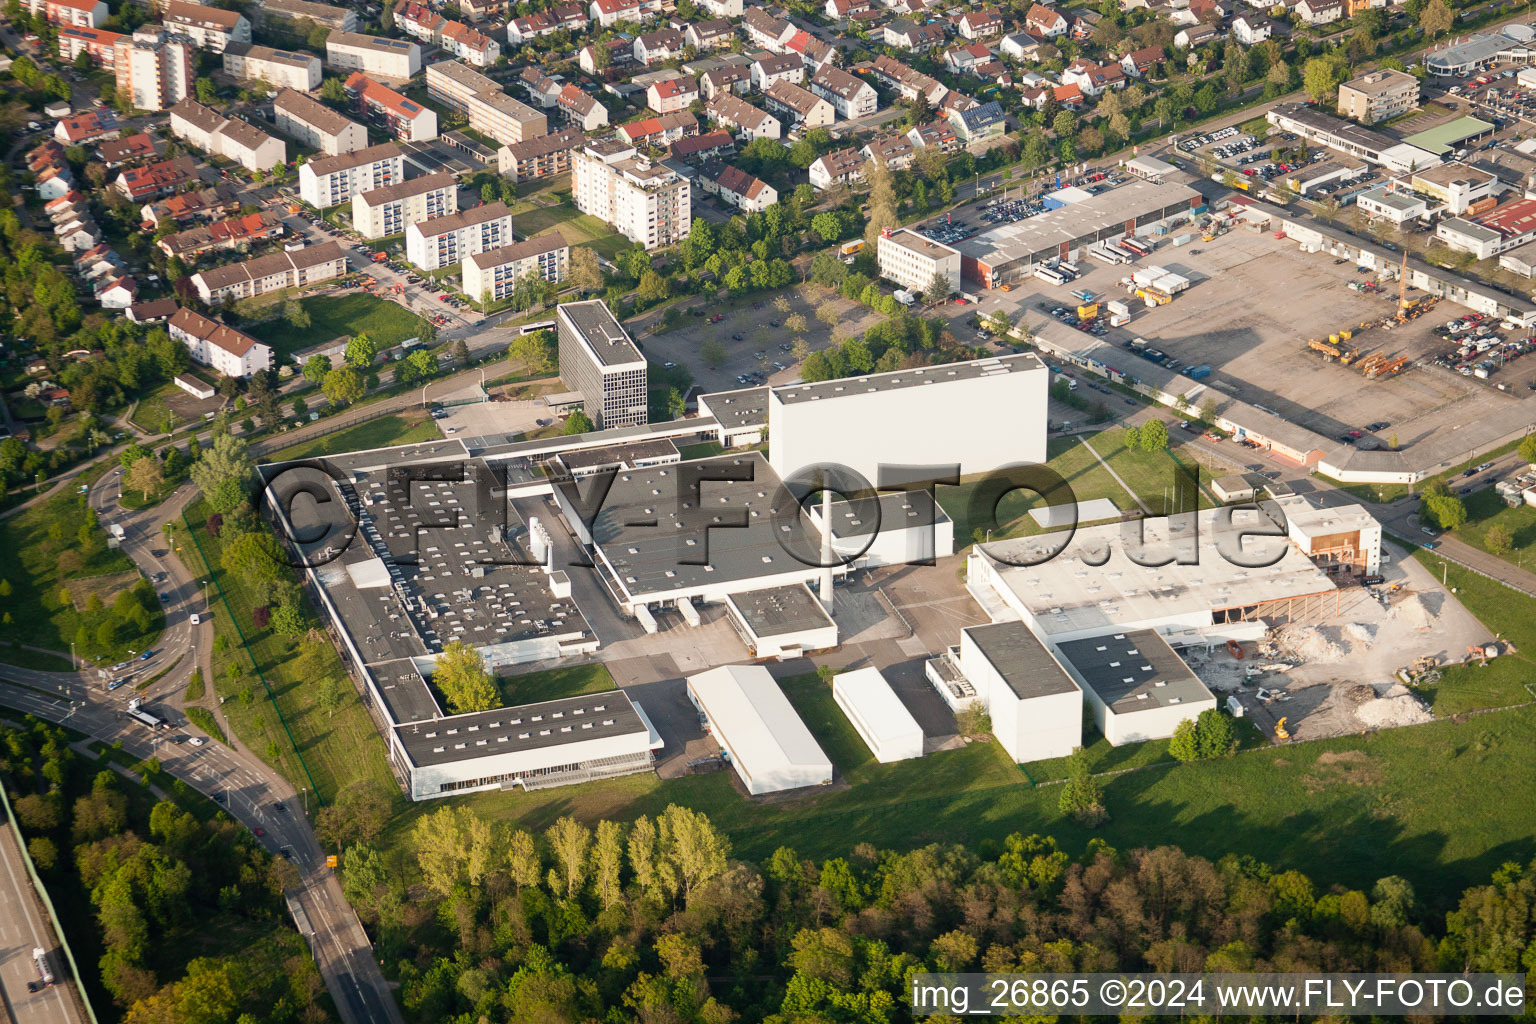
[1255, 303]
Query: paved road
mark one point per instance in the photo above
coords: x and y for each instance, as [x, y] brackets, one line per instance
[248, 789]
[23, 929]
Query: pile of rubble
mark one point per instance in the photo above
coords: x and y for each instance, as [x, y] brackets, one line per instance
[1360, 634]
[1413, 612]
[1397, 706]
[1308, 643]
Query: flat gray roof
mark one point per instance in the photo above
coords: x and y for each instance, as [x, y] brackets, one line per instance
[1022, 660]
[1134, 671]
[604, 335]
[526, 727]
[899, 510]
[779, 610]
[619, 454]
[899, 379]
[654, 529]
[1133, 200]
[736, 410]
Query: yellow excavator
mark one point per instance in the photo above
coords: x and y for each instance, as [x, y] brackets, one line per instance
[1281, 733]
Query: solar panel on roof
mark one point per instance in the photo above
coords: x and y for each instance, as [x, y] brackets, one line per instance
[408, 105]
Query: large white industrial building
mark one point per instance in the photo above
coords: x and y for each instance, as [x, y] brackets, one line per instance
[980, 415]
[878, 715]
[1035, 707]
[1138, 688]
[781, 622]
[906, 527]
[757, 729]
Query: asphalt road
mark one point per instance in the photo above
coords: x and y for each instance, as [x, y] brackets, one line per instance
[23, 929]
[248, 789]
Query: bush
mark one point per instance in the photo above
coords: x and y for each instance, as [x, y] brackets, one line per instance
[1210, 735]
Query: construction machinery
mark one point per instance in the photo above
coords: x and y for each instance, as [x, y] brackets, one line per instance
[1281, 732]
[1372, 363]
[1336, 347]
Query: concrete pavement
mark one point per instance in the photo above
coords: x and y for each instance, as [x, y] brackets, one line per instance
[23, 928]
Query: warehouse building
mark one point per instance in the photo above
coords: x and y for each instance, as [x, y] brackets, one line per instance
[878, 715]
[1345, 539]
[864, 422]
[1138, 688]
[781, 622]
[757, 730]
[740, 416]
[1010, 252]
[1351, 138]
[1035, 707]
[891, 528]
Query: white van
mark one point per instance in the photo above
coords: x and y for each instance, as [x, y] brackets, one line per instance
[196, 618]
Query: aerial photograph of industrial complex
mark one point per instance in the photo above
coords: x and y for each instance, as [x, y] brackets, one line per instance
[805, 512]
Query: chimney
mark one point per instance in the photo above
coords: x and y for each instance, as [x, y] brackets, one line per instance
[826, 549]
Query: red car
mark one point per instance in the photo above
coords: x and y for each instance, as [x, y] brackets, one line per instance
[259, 831]
[443, 297]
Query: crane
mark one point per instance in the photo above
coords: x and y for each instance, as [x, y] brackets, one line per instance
[1403, 305]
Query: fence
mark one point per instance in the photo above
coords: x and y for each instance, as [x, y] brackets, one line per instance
[245, 645]
[53, 915]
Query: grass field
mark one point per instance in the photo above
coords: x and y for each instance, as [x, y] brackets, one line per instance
[396, 428]
[575, 227]
[152, 414]
[1151, 475]
[1348, 810]
[337, 748]
[1069, 458]
[333, 316]
[703, 450]
[1507, 613]
[554, 684]
[1485, 510]
[42, 550]
[204, 720]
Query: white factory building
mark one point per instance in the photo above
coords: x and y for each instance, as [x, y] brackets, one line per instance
[979, 416]
[878, 715]
[905, 527]
[1138, 688]
[781, 622]
[1035, 707]
[757, 729]
[913, 261]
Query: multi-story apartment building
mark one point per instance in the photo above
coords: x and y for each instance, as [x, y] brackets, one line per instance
[390, 210]
[316, 125]
[777, 67]
[293, 268]
[155, 68]
[1378, 96]
[403, 118]
[228, 137]
[98, 42]
[211, 343]
[339, 18]
[444, 241]
[600, 362]
[798, 105]
[541, 157]
[850, 96]
[492, 275]
[210, 28]
[281, 69]
[89, 13]
[375, 56]
[913, 260]
[331, 180]
[645, 203]
[490, 110]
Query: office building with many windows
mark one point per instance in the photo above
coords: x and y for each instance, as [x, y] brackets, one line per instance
[600, 362]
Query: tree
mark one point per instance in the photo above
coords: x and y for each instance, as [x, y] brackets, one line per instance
[225, 473]
[713, 353]
[144, 476]
[578, 422]
[585, 273]
[315, 369]
[297, 317]
[532, 350]
[1065, 125]
[882, 200]
[1527, 449]
[329, 696]
[1081, 795]
[1437, 18]
[653, 287]
[1153, 436]
[359, 814]
[1209, 735]
[343, 385]
[827, 226]
[1320, 76]
[938, 290]
[361, 351]
[464, 681]
[1498, 540]
[207, 93]
[1442, 508]
[568, 841]
[332, 91]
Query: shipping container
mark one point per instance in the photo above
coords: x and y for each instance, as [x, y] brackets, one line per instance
[1184, 239]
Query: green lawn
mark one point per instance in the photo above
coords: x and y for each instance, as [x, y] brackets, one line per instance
[554, 684]
[1069, 458]
[41, 549]
[152, 414]
[1149, 474]
[336, 748]
[1380, 493]
[1507, 613]
[334, 316]
[703, 450]
[396, 428]
[1348, 810]
[1485, 510]
[575, 227]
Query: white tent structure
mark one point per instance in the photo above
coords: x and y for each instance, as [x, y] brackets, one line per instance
[758, 730]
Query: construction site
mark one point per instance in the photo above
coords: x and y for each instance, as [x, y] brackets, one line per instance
[1305, 336]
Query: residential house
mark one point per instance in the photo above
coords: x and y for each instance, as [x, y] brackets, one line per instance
[1251, 29]
[710, 145]
[1143, 62]
[733, 78]
[291, 268]
[777, 67]
[812, 51]
[619, 54]
[842, 10]
[388, 211]
[910, 82]
[330, 181]
[543, 91]
[660, 131]
[799, 106]
[894, 151]
[935, 133]
[983, 121]
[748, 120]
[908, 35]
[965, 59]
[980, 24]
[87, 127]
[850, 97]
[841, 166]
[1319, 12]
[98, 42]
[661, 45]
[739, 189]
[715, 34]
[1093, 78]
[530, 27]
[764, 30]
[1045, 22]
[581, 109]
[140, 184]
[1026, 48]
[671, 95]
[230, 233]
[211, 343]
[722, 8]
[1197, 35]
[609, 13]
[117, 152]
[1068, 96]
[205, 205]
[540, 157]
